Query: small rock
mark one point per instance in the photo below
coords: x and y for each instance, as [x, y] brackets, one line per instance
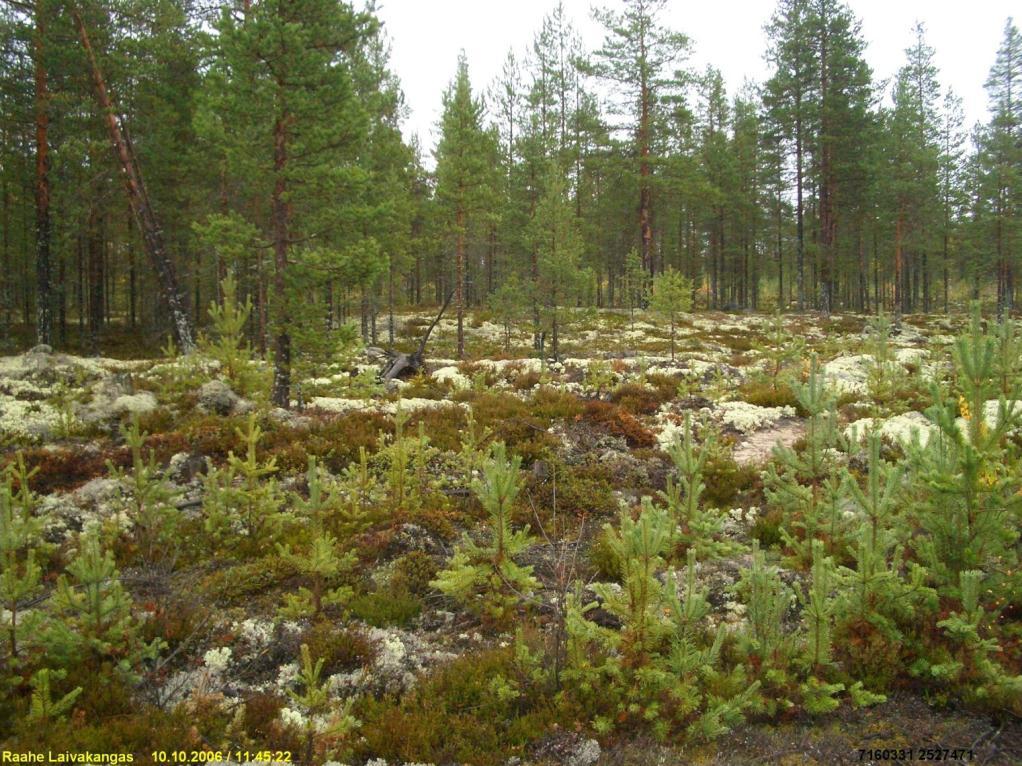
[184, 467]
[289, 418]
[569, 748]
[412, 537]
[217, 397]
[587, 754]
[136, 404]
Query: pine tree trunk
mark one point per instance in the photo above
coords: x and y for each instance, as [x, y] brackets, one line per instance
[95, 280]
[6, 293]
[132, 277]
[799, 207]
[645, 190]
[898, 266]
[459, 281]
[281, 394]
[44, 317]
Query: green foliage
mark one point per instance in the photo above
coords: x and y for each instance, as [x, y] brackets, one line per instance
[405, 460]
[95, 615]
[883, 369]
[781, 350]
[555, 236]
[696, 526]
[149, 501]
[819, 608]
[805, 484]
[229, 346]
[671, 296]
[968, 498]
[635, 282]
[661, 669]
[242, 502]
[320, 561]
[598, 378]
[969, 662]
[45, 710]
[485, 579]
[23, 552]
[509, 304]
[323, 725]
[767, 600]
[819, 697]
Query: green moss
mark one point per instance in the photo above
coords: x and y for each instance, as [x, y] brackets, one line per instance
[641, 400]
[387, 608]
[479, 710]
[334, 440]
[341, 649]
[237, 583]
[726, 481]
[511, 421]
[550, 404]
[413, 572]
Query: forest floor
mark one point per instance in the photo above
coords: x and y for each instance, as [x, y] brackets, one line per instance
[592, 430]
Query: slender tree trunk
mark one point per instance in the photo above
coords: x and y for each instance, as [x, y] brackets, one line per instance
[281, 394]
[390, 304]
[944, 264]
[926, 283]
[459, 281]
[800, 229]
[152, 234]
[95, 280]
[828, 221]
[62, 304]
[898, 266]
[132, 276]
[6, 293]
[44, 301]
[645, 172]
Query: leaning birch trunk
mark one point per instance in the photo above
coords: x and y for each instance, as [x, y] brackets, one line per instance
[152, 235]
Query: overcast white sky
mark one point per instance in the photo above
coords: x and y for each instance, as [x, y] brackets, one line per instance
[426, 36]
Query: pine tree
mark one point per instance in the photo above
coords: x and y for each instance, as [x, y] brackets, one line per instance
[803, 484]
[670, 297]
[914, 175]
[321, 561]
[150, 500]
[464, 180]
[229, 347]
[486, 578]
[322, 721]
[22, 551]
[242, 503]
[555, 238]
[791, 106]
[952, 175]
[970, 494]
[643, 61]
[999, 158]
[95, 613]
[297, 122]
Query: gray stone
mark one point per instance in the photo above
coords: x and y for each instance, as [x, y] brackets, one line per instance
[184, 467]
[218, 398]
[587, 754]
